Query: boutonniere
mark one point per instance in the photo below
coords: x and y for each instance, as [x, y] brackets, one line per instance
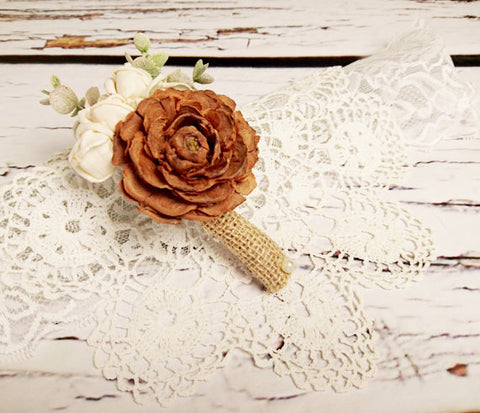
[185, 153]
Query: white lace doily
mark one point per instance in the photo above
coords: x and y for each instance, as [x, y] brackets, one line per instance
[170, 304]
[415, 75]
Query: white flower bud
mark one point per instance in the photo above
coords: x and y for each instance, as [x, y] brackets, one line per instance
[84, 123]
[92, 153]
[91, 156]
[102, 117]
[109, 111]
[129, 82]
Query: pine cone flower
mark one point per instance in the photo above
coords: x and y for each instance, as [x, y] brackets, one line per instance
[186, 155]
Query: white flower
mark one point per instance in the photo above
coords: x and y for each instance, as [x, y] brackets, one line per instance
[107, 112]
[92, 153]
[91, 156]
[129, 82]
[103, 116]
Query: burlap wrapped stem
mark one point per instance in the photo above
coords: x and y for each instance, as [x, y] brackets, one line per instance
[189, 155]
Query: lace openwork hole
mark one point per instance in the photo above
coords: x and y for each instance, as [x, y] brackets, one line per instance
[72, 226]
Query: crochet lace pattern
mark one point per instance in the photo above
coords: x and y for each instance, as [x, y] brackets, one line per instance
[168, 304]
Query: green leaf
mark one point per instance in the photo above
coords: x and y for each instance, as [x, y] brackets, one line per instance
[92, 95]
[199, 69]
[45, 92]
[159, 59]
[55, 81]
[146, 64]
[178, 76]
[45, 101]
[129, 58]
[141, 42]
[75, 112]
[205, 78]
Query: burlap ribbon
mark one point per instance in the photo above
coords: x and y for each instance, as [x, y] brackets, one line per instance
[260, 254]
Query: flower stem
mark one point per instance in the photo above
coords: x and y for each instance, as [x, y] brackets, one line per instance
[261, 255]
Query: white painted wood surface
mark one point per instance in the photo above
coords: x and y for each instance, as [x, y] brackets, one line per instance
[230, 28]
[424, 330]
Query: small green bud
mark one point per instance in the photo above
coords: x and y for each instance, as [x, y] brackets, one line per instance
[55, 81]
[92, 95]
[159, 59]
[199, 74]
[63, 100]
[205, 78]
[142, 42]
[178, 76]
[199, 69]
[146, 64]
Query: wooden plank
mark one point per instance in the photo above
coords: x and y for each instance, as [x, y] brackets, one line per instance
[416, 353]
[232, 28]
[424, 331]
[24, 119]
[46, 132]
[441, 187]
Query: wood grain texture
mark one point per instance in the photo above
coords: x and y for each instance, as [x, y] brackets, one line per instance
[444, 183]
[425, 331]
[429, 333]
[230, 28]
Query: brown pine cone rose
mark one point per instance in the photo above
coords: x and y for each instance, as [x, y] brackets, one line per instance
[187, 155]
